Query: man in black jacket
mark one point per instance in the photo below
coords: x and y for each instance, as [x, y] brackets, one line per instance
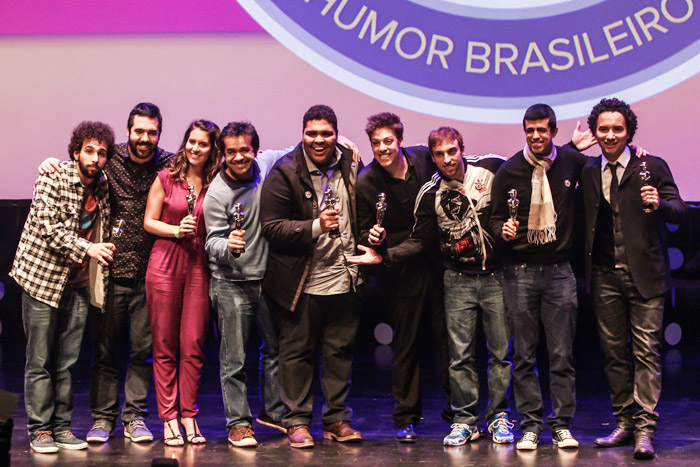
[308, 215]
[411, 293]
[626, 209]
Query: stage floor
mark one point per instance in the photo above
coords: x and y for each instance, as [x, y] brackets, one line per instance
[676, 441]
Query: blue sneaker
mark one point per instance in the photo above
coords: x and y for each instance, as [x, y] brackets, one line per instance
[461, 434]
[500, 429]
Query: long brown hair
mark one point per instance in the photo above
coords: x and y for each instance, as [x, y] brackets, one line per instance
[180, 164]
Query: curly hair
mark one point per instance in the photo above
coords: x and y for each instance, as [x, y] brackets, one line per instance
[178, 168]
[445, 133]
[540, 112]
[321, 112]
[614, 105]
[240, 129]
[86, 131]
[384, 120]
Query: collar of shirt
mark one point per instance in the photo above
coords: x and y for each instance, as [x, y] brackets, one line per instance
[313, 168]
[623, 160]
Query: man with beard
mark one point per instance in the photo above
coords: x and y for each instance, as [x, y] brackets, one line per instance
[410, 293]
[237, 259]
[61, 266]
[130, 173]
[454, 208]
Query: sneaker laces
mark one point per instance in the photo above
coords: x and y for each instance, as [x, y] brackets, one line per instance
[136, 423]
[245, 430]
[564, 434]
[101, 425]
[456, 427]
[500, 424]
[42, 436]
[530, 436]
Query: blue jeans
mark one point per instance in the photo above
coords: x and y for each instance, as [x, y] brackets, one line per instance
[534, 294]
[236, 305]
[54, 336]
[464, 296]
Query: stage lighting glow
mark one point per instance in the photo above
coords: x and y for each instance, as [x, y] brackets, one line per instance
[675, 257]
[672, 227]
[673, 334]
[383, 333]
[2, 290]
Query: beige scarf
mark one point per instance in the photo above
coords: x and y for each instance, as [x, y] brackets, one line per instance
[542, 221]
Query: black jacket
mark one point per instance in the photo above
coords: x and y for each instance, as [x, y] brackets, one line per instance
[287, 209]
[645, 240]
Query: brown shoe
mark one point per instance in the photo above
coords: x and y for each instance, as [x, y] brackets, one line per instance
[619, 437]
[643, 448]
[265, 420]
[342, 431]
[242, 436]
[299, 437]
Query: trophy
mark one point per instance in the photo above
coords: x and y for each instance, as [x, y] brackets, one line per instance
[330, 203]
[645, 176]
[238, 216]
[381, 208]
[118, 229]
[513, 204]
[191, 199]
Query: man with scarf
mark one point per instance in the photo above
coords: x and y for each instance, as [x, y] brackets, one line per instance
[538, 283]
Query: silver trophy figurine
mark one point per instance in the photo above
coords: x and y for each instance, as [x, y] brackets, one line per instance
[191, 199]
[381, 208]
[645, 176]
[513, 203]
[238, 216]
[330, 203]
[118, 229]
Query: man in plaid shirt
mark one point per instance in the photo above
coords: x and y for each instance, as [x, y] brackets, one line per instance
[60, 265]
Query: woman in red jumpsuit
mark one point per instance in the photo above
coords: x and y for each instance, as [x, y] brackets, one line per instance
[177, 280]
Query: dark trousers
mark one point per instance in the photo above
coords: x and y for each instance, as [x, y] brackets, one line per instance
[625, 319]
[413, 299]
[534, 294]
[125, 314]
[329, 322]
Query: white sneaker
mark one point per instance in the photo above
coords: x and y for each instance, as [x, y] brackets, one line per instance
[564, 439]
[528, 442]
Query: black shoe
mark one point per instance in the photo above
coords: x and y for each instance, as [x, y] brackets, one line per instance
[620, 436]
[406, 434]
[643, 449]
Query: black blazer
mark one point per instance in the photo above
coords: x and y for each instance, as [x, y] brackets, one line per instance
[645, 240]
[288, 207]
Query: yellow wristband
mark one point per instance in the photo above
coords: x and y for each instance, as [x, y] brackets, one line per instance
[177, 231]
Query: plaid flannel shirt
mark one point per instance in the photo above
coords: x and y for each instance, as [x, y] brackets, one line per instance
[50, 241]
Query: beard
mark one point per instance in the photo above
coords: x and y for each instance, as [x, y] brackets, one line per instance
[90, 172]
[135, 149]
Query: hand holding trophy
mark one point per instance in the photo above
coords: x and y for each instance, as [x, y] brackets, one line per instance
[238, 216]
[331, 200]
